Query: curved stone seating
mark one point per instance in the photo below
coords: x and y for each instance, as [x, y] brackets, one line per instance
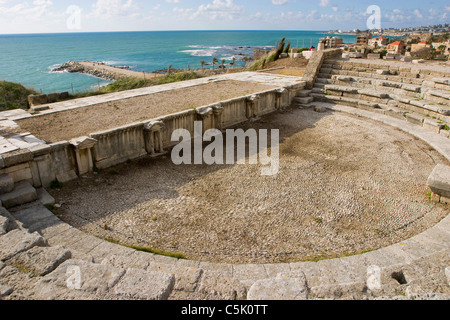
[35, 235]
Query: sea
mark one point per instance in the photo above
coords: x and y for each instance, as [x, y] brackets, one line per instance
[30, 58]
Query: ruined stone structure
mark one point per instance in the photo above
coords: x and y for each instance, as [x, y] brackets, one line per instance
[51, 253]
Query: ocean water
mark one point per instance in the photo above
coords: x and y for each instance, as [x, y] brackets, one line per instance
[29, 59]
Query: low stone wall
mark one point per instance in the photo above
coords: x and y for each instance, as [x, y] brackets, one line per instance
[66, 160]
[36, 100]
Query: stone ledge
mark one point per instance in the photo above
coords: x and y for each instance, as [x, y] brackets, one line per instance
[439, 180]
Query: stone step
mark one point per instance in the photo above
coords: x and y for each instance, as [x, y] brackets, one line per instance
[317, 90]
[89, 280]
[425, 107]
[416, 118]
[438, 96]
[17, 241]
[303, 93]
[319, 85]
[323, 80]
[439, 180]
[23, 193]
[6, 184]
[305, 100]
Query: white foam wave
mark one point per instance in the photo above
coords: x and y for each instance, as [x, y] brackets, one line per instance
[200, 52]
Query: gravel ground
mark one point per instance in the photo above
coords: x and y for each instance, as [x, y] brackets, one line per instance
[80, 122]
[346, 185]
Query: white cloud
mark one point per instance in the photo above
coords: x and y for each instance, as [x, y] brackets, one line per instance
[325, 3]
[111, 8]
[418, 14]
[219, 9]
[279, 2]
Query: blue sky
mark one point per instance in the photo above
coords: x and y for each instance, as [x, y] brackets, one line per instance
[41, 16]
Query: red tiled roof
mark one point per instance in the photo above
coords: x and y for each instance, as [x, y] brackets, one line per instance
[397, 43]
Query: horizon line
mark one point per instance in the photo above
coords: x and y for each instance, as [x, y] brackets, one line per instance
[143, 31]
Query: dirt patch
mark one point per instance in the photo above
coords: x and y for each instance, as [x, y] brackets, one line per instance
[291, 67]
[346, 185]
[79, 122]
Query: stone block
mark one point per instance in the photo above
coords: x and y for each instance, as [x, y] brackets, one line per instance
[17, 241]
[320, 109]
[445, 133]
[439, 180]
[3, 225]
[17, 157]
[6, 183]
[383, 72]
[304, 100]
[373, 56]
[40, 261]
[432, 125]
[143, 285]
[5, 291]
[186, 279]
[78, 276]
[23, 193]
[221, 286]
[414, 118]
[447, 275]
[34, 100]
[286, 286]
[44, 197]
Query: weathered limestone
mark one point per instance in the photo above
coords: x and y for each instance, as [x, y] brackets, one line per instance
[6, 183]
[143, 285]
[3, 225]
[22, 193]
[439, 180]
[78, 275]
[153, 137]
[221, 286]
[40, 261]
[5, 291]
[83, 152]
[286, 286]
[17, 241]
[374, 278]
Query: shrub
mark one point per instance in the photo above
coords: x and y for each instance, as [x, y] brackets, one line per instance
[14, 95]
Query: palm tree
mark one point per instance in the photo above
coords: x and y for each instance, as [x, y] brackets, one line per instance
[214, 62]
[203, 65]
[223, 64]
[233, 62]
[170, 69]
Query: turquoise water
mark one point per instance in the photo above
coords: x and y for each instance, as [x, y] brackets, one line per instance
[28, 59]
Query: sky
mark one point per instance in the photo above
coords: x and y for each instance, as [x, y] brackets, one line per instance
[55, 16]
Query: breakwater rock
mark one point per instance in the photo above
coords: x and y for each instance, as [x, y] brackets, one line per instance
[95, 69]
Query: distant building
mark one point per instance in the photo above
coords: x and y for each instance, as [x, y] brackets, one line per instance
[397, 47]
[363, 39]
[418, 46]
[378, 42]
[332, 42]
[445, 45]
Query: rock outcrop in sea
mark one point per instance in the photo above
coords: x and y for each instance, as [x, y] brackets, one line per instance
[76, 67]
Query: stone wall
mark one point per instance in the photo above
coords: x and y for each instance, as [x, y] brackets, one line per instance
[64, 161]
[315, 63]
[36, 100]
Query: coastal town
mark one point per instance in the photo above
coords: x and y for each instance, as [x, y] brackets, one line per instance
[408, 44]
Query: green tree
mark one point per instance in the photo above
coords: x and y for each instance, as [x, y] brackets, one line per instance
[214, 62]
[203, 65]
[233, 63]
